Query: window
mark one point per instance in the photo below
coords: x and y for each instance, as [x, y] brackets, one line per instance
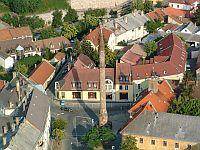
[95, 85]
[76, 95]
[153, 142]
[189, 147]
[139, 28]
[177, 6]
[63, 94]
[141, 140]
[139, 86]
[126, 78]
[76, 84]
[176, 145]
[89, 85]
[92, 95]
[164, 143]
[126, 87]
[120, 87]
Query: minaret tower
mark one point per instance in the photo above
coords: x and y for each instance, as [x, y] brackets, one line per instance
[103, 116]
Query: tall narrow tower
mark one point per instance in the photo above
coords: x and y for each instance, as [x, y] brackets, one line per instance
[103, 116]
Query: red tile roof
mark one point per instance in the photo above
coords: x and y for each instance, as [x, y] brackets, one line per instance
[93, 36]
[84, 76]
[60, 56]
[170, 11]
[84, 61]
[170, 27]
[42, 72]
[170, 47]
[158, 102]
[2, 84]
[157, 14]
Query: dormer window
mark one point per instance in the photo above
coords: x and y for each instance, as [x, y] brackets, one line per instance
[124, 79]
[89, 85]
[76, 84]
[165, 72]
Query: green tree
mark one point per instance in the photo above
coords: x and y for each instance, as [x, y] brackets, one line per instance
[48, 54]
[86, 48]
[57, 19]
[148, 6]
[91, 21]
[138, 5]
[69, 30]
[96, 12]
[110, 58]
[152, 26]
[59, 124]
[158, 4]
[129, 143]
[24, 6]
[22, 68]
[98, 136]
[58, 135]
[48, 33]
[150, 48]
[71, 16]
[126, 10]
[197, 16]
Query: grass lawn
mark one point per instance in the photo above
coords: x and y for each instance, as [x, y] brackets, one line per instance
[3, 8]
[52, 5]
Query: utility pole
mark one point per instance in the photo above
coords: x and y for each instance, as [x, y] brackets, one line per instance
[103, 116]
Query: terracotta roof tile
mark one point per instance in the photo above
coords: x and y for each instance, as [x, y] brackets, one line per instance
[2, 84]
[60, 56]
[84, 61]
[84, 75]
[170, 11]
[170, 27]
[93, 36]
[42, 72]
[158, 102]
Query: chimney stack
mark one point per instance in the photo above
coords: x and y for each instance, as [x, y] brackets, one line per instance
[18, 89]
[126, 19]
[153, 85]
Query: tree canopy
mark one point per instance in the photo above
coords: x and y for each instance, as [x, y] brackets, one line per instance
[98, 136]
[57, 18]
[129, 143]
[19, 21]
[71, 16]
[150, 48]
[152, 26]
[197, 15]
[69, 30]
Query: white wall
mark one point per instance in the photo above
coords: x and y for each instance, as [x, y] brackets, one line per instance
[7, 63]
[180, 6]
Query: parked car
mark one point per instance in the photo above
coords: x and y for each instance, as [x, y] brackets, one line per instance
[66, 109]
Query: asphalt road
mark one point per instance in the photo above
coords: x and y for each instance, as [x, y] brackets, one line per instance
[81, 120]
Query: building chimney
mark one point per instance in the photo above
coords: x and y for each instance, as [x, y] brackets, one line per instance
[4, 140]
[115, 24]
[18, 89]
[17, 120]
[13, 127]
[153, 85]
[4, 129]
[14, 74]
[126, 19]
[10, 104]
[24, 106]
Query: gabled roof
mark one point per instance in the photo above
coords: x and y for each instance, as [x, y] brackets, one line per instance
[53, 43]
[170, 27]
[170, 11]
[158, 102]
[157, 14]
[60, 56]
[134, 54]
[94, 35]
[84, 61]
[38, 110]
[42, 72]
[12, 33]
[170, 47]
[165, 125]
[84, 75]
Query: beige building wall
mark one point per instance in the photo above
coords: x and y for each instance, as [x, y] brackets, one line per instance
[146, 145]
[130, 91]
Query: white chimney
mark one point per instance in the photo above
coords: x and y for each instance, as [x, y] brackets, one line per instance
[13, 127]
[4, 130]
[115, 25]
[126, 19]
[18, 89]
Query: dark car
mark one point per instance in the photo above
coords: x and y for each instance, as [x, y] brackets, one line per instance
[66, 109]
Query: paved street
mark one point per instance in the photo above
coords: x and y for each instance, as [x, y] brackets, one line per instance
[80, 121]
